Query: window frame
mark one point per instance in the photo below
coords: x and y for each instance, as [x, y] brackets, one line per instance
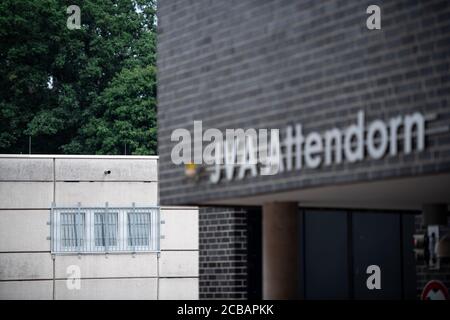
[78, 229]
[129, 228]
[104, 246]
[89, 244]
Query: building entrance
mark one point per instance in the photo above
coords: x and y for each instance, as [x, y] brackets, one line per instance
[338, 246]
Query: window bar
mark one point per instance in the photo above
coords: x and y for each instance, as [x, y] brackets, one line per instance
[158, 226]
[77, 228]
[70, 223]
[52, 236]
[111, 229]
[64, 232]
[124, 230]
[134, 218]
[120, 231]
[128, 225]
[141, 228]
[69, 229]
[98, 231]
[67, 232]
[152, 228]
[94, 232]
[106, 227]
[130, 234]
[57, 227]
[138, 228]
[145, 228]
[108, 230]
[148, 228]
[114, 226]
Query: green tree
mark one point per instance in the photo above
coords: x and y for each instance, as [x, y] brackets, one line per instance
[86, 91]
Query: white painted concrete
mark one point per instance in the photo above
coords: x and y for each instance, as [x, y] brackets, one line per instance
[178, 288]
[179, 263]
[17, 266]
[26, 185]
[180, 229]
[108, 266]
[23, 195]
[109, 289]
[77, 156]
[24, 230]
[26, 290]
[23, 169]
[94, 170]
[97, 193]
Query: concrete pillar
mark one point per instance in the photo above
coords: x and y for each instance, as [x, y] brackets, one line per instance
[281, 252]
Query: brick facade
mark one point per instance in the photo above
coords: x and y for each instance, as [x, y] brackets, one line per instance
[271, 63]
[223, 253]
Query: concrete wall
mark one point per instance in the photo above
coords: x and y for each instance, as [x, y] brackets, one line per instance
[269, 64]
[28, 186]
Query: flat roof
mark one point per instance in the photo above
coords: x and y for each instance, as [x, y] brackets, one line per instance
[80, 156]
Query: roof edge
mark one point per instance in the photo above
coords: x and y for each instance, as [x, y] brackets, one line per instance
[63, 156]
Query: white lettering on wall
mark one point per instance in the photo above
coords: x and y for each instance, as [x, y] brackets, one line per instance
[252, 152]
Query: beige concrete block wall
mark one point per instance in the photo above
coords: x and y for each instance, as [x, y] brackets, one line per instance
[142, 265]
[26, 266]
[109, 289]
[180, 228]
[178, 288]
[96, 193]
[26, 290]
[178, 264]
[92, 169]
[14, 224]
[28, 195]
[28, 270]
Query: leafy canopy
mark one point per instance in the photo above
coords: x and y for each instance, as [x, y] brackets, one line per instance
[85, 91]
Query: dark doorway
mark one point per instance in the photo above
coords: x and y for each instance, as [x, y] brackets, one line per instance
[254, 254]
[325, 261]
[339, 245]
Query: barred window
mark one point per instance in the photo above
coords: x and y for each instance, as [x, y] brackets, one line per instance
[72, 229]
[105, 229]
[138, 229]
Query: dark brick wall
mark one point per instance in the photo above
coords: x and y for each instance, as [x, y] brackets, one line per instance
[223, 253]
[270, 63]
[423, 273]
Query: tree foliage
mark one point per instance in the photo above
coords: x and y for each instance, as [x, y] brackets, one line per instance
[85, 91]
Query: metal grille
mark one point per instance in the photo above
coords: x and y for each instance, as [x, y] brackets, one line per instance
[72, 229]
[105, 229]
[138, 224]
